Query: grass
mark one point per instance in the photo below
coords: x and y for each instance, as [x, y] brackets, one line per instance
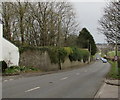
[113, 74]
[112, 53]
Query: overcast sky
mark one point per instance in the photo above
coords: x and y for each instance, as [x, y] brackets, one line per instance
[88, 14]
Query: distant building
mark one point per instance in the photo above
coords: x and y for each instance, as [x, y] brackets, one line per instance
[8, 51]
[104, 46]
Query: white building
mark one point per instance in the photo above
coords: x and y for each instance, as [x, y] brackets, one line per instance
[8, 51]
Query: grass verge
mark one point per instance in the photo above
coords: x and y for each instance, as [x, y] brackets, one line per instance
[114, 72]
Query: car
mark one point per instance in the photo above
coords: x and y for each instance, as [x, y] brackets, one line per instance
[104, 60]
[97, 58]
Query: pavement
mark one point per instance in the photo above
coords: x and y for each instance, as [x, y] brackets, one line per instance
[77, 83]
[109, 89]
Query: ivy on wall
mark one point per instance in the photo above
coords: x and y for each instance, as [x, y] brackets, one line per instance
[58, 55]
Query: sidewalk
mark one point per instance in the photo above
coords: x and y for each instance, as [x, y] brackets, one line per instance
[110, 89]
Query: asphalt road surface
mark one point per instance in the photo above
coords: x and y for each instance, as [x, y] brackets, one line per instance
[77, 83]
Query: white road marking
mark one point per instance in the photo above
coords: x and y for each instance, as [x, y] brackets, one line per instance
[32, 89]
[64, 78]
[85, 71]
[77, 73]
[5, 80]
[10, 79]
[101, 91]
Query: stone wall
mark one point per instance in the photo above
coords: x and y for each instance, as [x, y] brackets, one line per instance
[38, 59]
[42, 60]
[69, 64]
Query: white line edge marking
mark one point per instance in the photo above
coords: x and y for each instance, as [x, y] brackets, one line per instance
[85, 71]
[10, 79]
[5, 80]
[64, 78]
[32, 89]
[77, 73]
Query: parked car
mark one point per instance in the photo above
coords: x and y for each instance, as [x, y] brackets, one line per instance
[104, 60]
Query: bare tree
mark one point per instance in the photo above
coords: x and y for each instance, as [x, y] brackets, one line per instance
[39, 23]
[7, 18]
[110, 22]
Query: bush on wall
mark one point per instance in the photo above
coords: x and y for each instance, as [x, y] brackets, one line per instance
[85, 55]
[58, 55]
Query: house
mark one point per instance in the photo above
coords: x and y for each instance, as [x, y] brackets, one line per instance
[8, 51]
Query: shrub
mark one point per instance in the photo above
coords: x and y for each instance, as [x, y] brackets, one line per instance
[18, 69]
[85, 55]
[53, 53]
[79, 54]
[12, 70]
[62, 54]
[68, 50]
[75, 55]
[58, 55]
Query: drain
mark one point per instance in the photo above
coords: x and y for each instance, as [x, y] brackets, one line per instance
[50, 82]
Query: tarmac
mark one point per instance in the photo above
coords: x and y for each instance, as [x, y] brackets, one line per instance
[109, 89]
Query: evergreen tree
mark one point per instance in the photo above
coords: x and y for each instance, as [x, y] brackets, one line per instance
[85, 40]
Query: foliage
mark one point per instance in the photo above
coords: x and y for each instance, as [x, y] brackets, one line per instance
[25, 48]
[85, 40]
[85, 55]
[112, 53]
[75, 55]
[79, 54]
[53, 53]
[110, 22]
[19, 69]
[68, 50]
[58, 55]
[71, 40]
[62, 54]
[38, 24]
[113, 73]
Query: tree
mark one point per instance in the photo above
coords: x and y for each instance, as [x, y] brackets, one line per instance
[7, 17]
[110, 22]
[85, 40]
[71, 40]
[38, 23]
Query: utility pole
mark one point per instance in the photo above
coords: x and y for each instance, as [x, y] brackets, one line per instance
[89, 49]
[116, 54]
[116, 48]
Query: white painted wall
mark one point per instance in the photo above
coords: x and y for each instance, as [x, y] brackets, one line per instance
[1, 31]
[8, 51]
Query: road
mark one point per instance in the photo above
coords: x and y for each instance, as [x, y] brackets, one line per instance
[77, 83]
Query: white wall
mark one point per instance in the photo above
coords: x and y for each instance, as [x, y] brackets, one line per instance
[8, 51]
[1, 31]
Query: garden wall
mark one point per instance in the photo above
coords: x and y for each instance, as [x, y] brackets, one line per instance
[37, 59]
[34, 58]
